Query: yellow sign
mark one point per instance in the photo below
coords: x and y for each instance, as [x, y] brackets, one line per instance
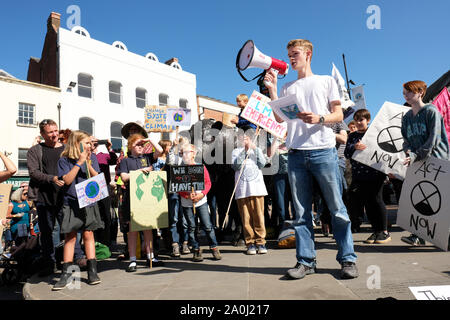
[155, 119]
[148, 200]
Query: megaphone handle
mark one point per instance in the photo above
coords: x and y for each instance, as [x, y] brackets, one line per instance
[276, 72]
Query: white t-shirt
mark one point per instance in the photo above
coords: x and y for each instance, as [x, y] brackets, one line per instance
[251, 183]
[314, 94]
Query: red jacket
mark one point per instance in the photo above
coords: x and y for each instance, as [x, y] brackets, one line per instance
[186, 195]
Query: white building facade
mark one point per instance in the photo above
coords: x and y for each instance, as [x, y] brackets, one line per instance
[104, 86]
[23, 105]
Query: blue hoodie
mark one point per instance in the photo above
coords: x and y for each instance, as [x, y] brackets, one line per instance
[424, 134]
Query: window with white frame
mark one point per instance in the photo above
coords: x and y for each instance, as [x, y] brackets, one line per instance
[141, 97]
[22, 159]
[116, 136]
[87, 125]
[115, 92]
[26, 114]
[183, 103]
[85, 85]
[163, 99]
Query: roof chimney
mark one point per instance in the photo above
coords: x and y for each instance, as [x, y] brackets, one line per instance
[169, 62]
[54, 20]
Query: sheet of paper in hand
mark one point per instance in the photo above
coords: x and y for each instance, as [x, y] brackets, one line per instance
[91, 190]
[384, 141]
[148, 200]
[286, 107]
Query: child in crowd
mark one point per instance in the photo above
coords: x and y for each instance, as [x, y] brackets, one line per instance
[367, 184]
[241, 101]
[76, 165]
[178, 224]
[423, 132]
[137, 160]
[352, 126]
[250, 191]
[199, 200]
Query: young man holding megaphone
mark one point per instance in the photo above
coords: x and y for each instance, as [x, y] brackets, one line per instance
[312, 152]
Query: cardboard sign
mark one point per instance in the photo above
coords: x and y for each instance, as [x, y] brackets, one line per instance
[424, 207]
[184, 178]
[148, 200]
[384, 141]
[5, 192]
[431, 292]
[259, 112]
[178, 117]
[91, 190]
[156, 119]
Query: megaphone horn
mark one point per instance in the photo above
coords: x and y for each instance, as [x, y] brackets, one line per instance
[250, 57]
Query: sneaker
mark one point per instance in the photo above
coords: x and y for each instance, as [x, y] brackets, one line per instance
[7, 255]
[251, 249]
[241, 243]
[216, 253]
[262, 249]
[300, 271]
[372, 238]
[413, 240]
[175, 250]
[349, 270]
[132, 267]
[383, 237]
[185, 248]
[197, 255]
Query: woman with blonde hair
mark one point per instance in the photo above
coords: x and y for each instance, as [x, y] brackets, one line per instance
[76, 165]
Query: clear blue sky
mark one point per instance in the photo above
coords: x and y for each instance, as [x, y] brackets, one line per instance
[413, 42]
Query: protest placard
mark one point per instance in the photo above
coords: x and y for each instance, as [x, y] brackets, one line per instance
[91, 190]
[156, 119]
[178, 117]
[5, 192]
[384, 141]
[148, 200]
[259, 112]
[184, 178]
[431, 292]
[423, 209]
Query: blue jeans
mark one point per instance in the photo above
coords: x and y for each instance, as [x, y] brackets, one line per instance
[176, 216]
[323, 165]
[282, 197]
[205, 221]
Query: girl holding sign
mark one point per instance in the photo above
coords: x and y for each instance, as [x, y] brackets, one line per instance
[137, 160]
[423, 132]
[76, 165]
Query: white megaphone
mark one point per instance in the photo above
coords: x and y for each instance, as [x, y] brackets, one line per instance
[250, 57]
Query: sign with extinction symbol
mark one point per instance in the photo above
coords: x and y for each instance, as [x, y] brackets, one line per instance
[422, 208]
[426, 198]
[390, 139]
[384, 141]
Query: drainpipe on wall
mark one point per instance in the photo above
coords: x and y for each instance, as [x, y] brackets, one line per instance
[59, 115]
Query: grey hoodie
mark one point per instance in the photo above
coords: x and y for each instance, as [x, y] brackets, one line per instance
[424, 134]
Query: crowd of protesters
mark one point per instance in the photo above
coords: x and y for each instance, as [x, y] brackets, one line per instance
[234, 205]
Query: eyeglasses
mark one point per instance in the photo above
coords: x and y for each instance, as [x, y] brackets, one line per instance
[186, 152]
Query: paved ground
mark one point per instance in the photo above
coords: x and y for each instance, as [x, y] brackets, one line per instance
[241, 277]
